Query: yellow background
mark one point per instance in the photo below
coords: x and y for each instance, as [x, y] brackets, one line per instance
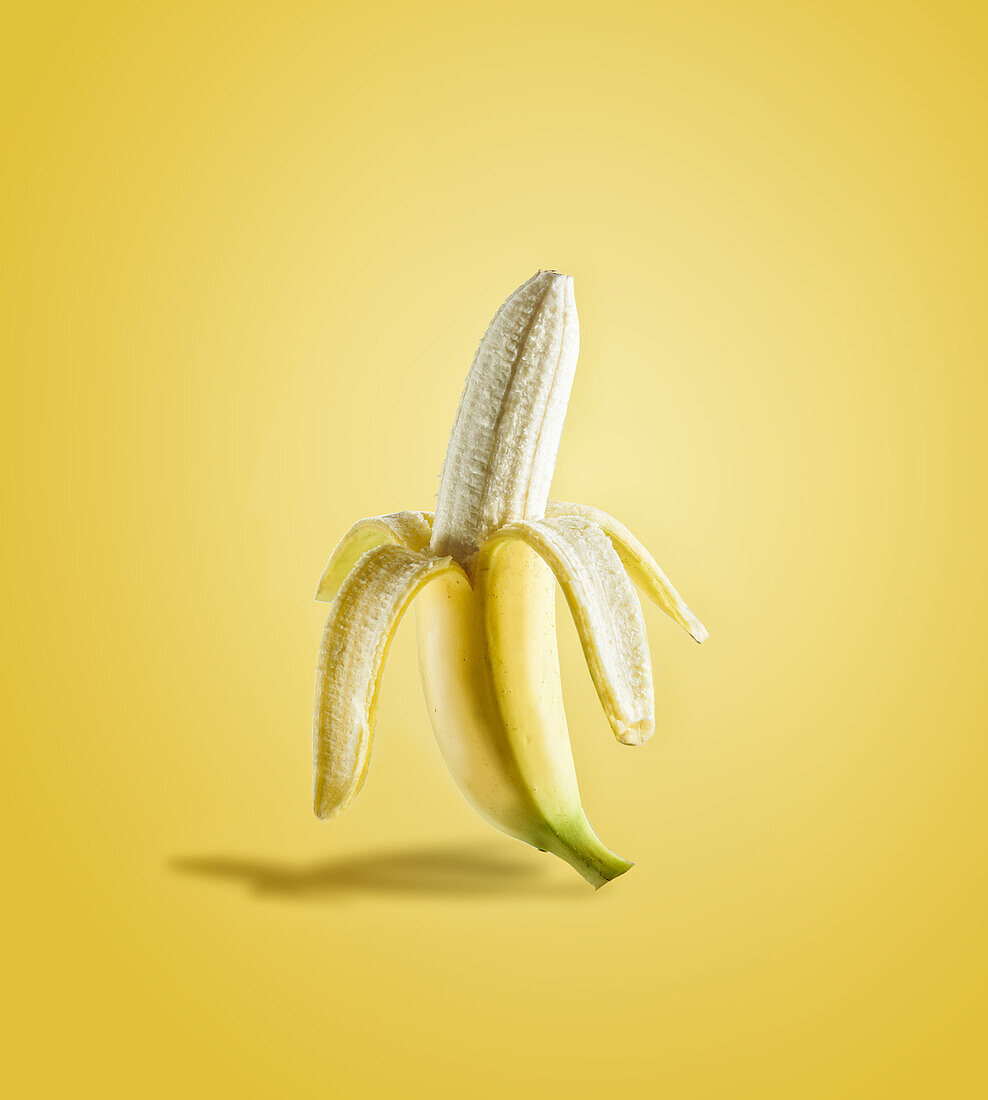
[247, 252]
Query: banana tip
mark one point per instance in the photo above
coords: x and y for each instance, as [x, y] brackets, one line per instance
[636, 733]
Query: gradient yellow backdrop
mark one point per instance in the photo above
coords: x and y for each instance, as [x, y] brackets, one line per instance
[247, 252]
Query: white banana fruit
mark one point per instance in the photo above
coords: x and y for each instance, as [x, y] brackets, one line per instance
[483, 569]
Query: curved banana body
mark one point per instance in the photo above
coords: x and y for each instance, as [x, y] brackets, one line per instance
[497, 706]
[483, 570]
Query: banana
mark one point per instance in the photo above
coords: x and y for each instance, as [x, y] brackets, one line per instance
[483, 570]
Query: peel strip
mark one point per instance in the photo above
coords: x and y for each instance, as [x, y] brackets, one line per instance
[409, 529]
[362, 622]
[607, 614]
[641, 566]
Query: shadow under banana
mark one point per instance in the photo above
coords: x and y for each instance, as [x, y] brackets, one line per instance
[440, 871]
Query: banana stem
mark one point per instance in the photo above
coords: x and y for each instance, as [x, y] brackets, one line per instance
[580, 847]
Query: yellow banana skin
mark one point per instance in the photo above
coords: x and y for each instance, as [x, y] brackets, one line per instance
[490, 671]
